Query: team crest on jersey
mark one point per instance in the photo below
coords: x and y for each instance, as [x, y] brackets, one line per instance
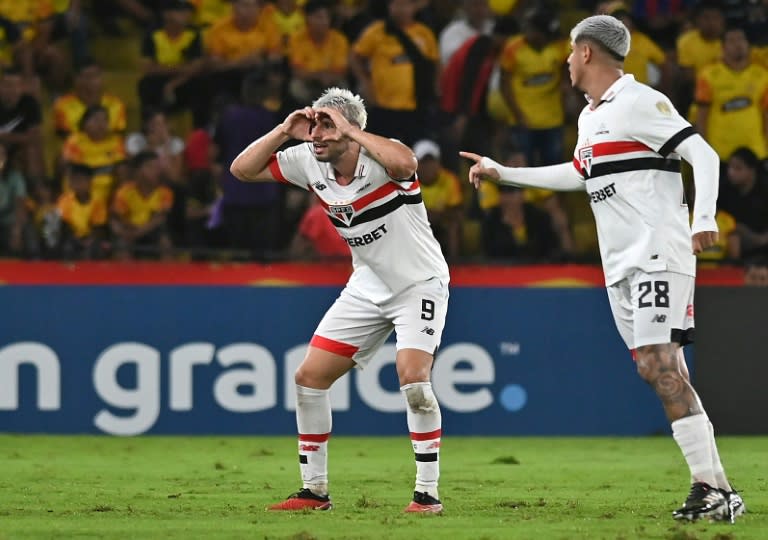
[585, 159]
[344, 212]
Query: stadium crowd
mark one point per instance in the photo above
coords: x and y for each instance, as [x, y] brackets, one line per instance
[87, 174]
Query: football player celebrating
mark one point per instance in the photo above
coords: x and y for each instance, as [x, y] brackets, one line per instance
[368, 187]
[628, 158]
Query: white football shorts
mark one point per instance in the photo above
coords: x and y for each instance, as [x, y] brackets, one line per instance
[653, 308]
[355, 327]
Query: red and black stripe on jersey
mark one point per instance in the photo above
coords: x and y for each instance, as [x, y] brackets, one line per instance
[364, 208]
[659, 161]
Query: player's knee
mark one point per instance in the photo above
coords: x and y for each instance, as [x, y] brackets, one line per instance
[420, 397]
[652, 360]
[304, 377]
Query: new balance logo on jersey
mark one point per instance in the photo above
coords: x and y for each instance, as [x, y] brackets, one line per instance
[343, 212]
[319, 186]
[363, 188]
[364, 240]
[659, 318]
[585, 159]
[427, 330]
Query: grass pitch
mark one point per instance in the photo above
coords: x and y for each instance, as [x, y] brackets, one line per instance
[202, 487]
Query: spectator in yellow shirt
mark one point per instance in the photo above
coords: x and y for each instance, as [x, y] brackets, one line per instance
[83, 216]
[395, 62]
[532, 67]
[237, 44]
[318, 54]
[286, 16]
[89, 90]
[443, 198]
[697, 48]
[95, 146]
[646, 60]
[140, 211]
[173, 65]
[732, 99]
[10, 42]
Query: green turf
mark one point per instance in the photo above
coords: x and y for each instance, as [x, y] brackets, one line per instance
[528, 488]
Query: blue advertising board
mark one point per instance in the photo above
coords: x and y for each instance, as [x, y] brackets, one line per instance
[128, 360]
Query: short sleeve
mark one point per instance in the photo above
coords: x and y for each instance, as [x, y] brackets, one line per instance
[291, 165]
[657, 124]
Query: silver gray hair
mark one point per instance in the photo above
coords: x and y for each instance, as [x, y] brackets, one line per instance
[605, 30]
[350, 105]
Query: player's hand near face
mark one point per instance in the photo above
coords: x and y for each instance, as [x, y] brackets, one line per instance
[703, 240]
[298, 125]
[342, 126]
[477, 172]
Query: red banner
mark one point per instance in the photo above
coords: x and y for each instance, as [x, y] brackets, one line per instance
[312, 274]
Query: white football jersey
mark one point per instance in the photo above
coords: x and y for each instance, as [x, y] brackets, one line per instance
[625, 153]
[384, 221]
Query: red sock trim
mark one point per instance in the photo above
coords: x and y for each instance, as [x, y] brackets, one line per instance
[314, 437]
[426, 436]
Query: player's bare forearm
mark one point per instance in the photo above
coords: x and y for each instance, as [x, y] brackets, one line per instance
[251, 164]
[658, 366]
[394, 156]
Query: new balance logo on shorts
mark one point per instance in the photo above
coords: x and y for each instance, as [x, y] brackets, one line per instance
[427, 330]
[659, 318]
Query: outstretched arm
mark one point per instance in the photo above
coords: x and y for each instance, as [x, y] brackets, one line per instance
[706, 168]
[251, 164]
[562, 177]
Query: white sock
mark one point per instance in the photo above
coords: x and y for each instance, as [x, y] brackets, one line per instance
[692, 436]
[424, 424]
[313, 418]
[717, 466]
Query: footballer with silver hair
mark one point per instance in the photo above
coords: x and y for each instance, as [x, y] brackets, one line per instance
[631, 142]
[368, 187]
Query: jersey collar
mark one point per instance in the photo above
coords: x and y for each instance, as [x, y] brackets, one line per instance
[613, 90]
[362, 168]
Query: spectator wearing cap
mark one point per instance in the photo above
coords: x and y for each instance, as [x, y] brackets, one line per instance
[532, 68]
[442, 195]
[83, 217]
[173, 63]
